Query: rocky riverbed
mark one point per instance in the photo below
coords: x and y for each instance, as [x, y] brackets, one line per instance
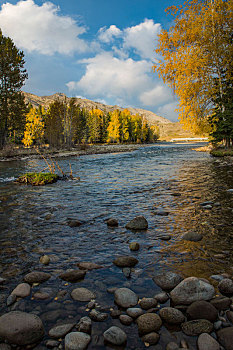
[187, 313]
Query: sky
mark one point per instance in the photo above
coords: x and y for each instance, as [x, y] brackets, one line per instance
[102, 50]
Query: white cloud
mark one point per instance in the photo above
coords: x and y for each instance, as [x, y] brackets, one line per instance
[168, 111]
[41, 28]
[156, 96]
[110, 77]
[142, 38]
[107, 35]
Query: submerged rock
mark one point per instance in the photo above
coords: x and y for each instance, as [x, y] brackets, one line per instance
[73, 276]
[112, 222]
[115, 336]
[167, 280]
[82, 294]
[36, 277]
[77, 341]
[45, 259]
[21, 328]
[192, 289]
[61, 330]
[125, 297]
[85, 265]
[125, 261]
[134, 246]
[192, 236]
[84, 325]
[22, 290]
[138, 223]
[151, 338]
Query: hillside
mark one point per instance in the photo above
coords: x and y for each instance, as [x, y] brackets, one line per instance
[168, 129]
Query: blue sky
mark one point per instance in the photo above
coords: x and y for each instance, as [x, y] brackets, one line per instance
[102, 50]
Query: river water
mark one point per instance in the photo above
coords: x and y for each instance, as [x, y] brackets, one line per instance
[171, 178]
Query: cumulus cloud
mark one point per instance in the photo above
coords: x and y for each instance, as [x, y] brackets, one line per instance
[41, 28]
[142, 38]
[107, 35]
[154, 97]
[107, 76]
[168, 111]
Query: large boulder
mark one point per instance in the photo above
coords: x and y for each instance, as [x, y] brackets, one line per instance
[138, 223]
[125, 261]
[36, 277]
[167, 280]
[192, 289]
[125, 297]
[21, 328]
[148, 323]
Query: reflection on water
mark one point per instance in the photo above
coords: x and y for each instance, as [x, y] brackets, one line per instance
[171, 178]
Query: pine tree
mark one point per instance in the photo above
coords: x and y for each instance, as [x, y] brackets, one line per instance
[12, 77]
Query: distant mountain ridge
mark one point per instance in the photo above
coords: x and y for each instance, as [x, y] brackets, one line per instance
[152, 118]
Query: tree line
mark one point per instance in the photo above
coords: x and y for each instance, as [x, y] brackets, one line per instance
[65, 124]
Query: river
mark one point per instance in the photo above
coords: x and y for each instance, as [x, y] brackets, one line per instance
[169, 179]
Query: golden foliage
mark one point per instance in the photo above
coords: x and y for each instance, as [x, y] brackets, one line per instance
[34, 130]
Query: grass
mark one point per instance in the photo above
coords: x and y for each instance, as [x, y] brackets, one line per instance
[222, 152]
[38, 179]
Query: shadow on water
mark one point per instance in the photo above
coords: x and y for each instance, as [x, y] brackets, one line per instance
[167, 178]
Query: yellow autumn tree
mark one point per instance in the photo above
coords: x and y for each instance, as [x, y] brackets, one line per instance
[197, 56]
[34, 129]
[114, 127]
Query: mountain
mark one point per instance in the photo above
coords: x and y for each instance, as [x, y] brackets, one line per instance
[152, 118]
[168, 130]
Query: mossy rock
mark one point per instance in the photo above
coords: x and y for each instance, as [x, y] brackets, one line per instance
[38, 179]
[222, 152]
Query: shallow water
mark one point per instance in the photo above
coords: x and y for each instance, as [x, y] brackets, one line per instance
[168, 177]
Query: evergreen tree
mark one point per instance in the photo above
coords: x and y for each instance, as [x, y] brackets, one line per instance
[12, 77]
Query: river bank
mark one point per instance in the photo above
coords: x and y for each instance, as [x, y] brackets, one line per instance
[24, 154]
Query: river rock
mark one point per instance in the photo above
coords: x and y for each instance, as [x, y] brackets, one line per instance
[165, 237]
[126, 271]
[115, 336]
[172, 346]
[41, 295]
[84, 325]
[51, 343]
[226, 286]
[192, 289]
[2, 280]
[115, 313]
[21, 328]
[161, 297]
[45, 259]
[225, 337]
[192, 236]
[167, 280]
[221, 303]
[5, 347]
[74, 223]
[126, 320]
[22, 290]
[171, 315]
[148, 323]
[151, 338]
[11, 299]
[196, 327]
[125, 261]
[138, 223]
[36, 277]
[98, 316]
[148, 303]
[125, 297]
[77, 341]
[134, 246]
[230, 316]
[85, 265]
[61, 330]
[202, 310]
[206, 342]
[112, 222]
[134, 312]
[73, 275]
[82, 294]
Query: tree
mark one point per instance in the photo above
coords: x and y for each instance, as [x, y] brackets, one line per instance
[34, 130]
[197, 57]
[54, 124]
[12, 77]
